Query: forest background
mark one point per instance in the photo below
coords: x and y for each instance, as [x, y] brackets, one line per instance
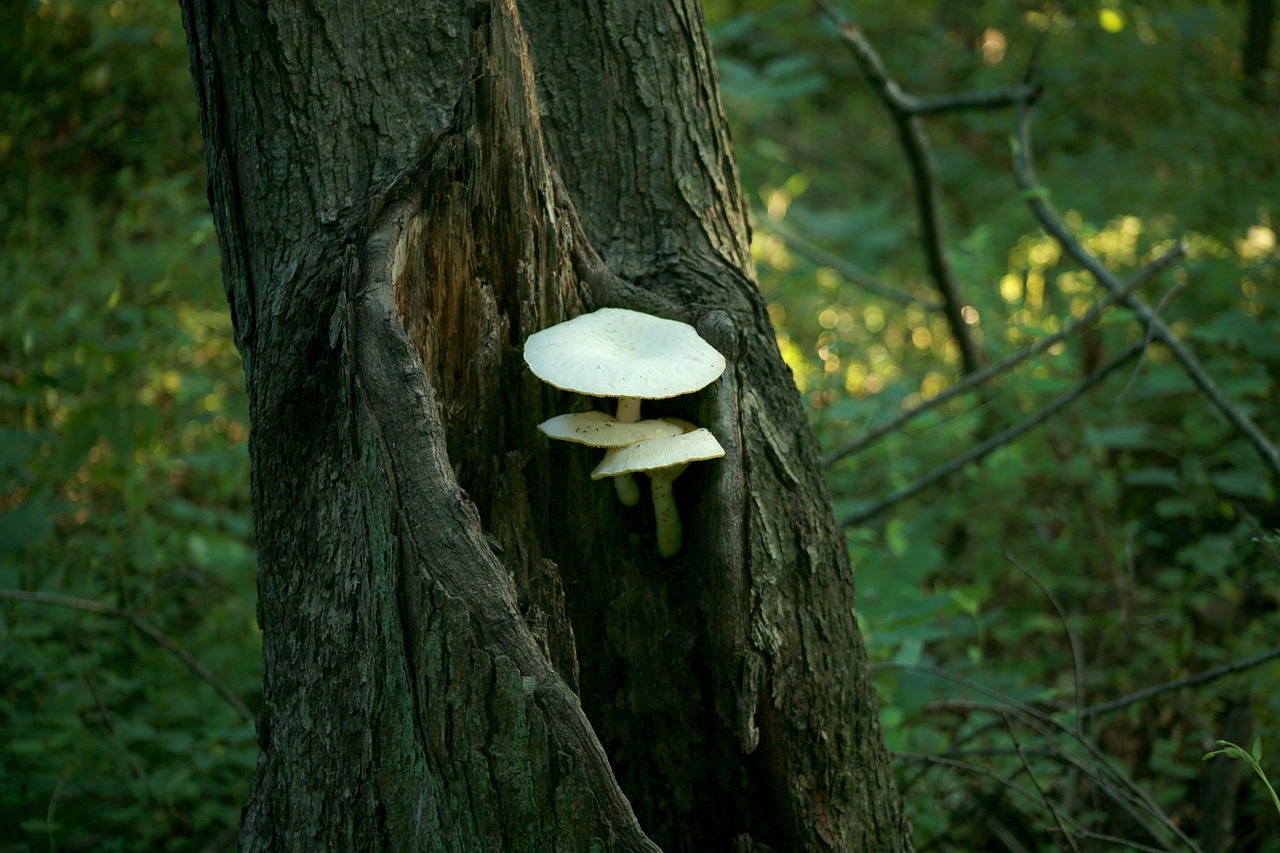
[1014, 612]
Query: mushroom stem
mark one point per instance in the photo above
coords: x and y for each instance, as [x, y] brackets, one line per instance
[628, 409]
[627, 488]
[670, 533]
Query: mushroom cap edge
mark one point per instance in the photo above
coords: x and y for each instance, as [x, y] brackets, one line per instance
[694, 446]
[599, 429]
[616, 352]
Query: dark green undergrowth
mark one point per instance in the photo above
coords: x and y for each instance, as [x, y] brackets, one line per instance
[123, 464]
[1129, 543]
[1146, 517]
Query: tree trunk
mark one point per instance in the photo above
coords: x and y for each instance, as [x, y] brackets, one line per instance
[468, 644]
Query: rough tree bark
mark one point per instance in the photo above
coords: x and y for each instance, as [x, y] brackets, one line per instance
[468, 645]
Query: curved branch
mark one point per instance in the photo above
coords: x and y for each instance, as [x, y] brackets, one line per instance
[966, 767]
[1058, 817]
[1197, 679]
[1010, 361]
[1157, 329]
[991, 99]
[1077, 657]
[978, 451]
[142, 626]
[924, 178]
[1124, 791]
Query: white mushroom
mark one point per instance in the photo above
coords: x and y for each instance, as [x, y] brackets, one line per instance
[626, 354]
[598, 429]
[663, 459]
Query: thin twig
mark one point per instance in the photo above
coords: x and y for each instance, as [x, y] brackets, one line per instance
[1005, 703]
[1160, 307]
[104, 713]
[1036, 197]
[965, 767]
[981, 450]
[1090, 835]
[142, 626]
[1010, 361]
[1265, 540]
[1178, 684]
[924, 178]
[1032, 717]
[1124, 791]
[1127, 794]
[1077, 675]
[844, 268]
[1031, 774]
[1128, 790]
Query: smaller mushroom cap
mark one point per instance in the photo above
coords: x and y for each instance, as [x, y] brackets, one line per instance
[658, 453]
[615, 352]
[599, 429]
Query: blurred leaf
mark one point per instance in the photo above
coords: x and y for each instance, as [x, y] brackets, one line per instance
[27, 523]
[1243, 484]
[1155, 477]
[1210, 555]
[1133, 436]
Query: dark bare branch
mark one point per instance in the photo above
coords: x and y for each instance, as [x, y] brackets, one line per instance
[978, 770]
[1195, 680]
[984, 448]
[991, 99]
[924, 178]
[1044, 797]
[1010, 361]
[966, 767]
[1036, 196]
[1123, 791]
[1077, 658]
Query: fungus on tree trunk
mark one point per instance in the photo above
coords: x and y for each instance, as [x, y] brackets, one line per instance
[616, 352]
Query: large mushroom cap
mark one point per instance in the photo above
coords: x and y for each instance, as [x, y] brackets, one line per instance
[614, 352]
[659, 453]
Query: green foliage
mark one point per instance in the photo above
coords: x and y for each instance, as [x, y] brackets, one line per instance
[124, 476]
[123, 471]
[1140, 509]
[1253, 758]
